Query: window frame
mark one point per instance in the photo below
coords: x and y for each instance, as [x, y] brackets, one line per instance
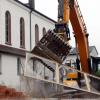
[18, 65]
[22, 33]
[36, 34]
[7, 28]
[44, 31]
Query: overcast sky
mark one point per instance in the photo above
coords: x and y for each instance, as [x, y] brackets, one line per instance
[89, 9]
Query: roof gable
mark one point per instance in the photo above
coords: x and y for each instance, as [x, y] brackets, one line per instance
[73, 51]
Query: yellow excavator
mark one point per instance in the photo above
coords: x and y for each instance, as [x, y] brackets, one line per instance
[55, 43]
[68, 10]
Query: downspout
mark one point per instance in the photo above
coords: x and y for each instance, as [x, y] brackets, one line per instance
[30, 31]
[32, 7]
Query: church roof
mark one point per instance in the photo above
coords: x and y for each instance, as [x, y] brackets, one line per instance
[26, 5]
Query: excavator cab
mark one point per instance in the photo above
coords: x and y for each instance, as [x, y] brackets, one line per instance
[71, 72]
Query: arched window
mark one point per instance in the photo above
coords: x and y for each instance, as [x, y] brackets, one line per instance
[36, 34]
[22, 33]
[44, 31]
[8, 28]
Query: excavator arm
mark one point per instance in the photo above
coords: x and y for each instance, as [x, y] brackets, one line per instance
[71, 11]
[81, 35]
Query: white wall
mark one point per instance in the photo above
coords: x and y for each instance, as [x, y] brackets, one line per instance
[9, 75]
[42, 22]
[17, 11]
[8, 62]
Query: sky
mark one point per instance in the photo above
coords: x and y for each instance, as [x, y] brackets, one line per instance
[90, 12]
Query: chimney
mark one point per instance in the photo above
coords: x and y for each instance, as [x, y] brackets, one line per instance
[32, 4]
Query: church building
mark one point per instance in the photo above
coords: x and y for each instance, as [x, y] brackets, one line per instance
[21, 27]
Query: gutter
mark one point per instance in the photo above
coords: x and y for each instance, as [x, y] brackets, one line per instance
[30, 30]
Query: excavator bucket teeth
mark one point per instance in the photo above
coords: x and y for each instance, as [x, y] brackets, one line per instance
[53, 47]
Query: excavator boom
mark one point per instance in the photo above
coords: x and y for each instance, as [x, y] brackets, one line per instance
[81, 35]
[71, 11]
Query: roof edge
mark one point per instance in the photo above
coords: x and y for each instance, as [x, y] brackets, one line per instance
[35, 11]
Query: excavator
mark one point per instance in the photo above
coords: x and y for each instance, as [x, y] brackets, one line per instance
[69, 10]
[55, 44]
